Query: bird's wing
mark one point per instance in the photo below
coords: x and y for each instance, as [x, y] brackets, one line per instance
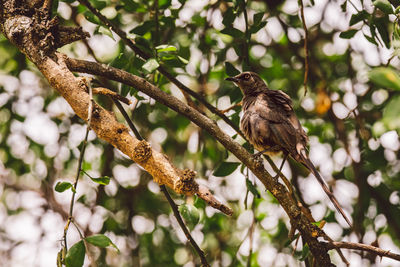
[280, 99]
[282, 104]
[272, 120]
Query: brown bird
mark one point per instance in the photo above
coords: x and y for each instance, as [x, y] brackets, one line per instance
[271, 125]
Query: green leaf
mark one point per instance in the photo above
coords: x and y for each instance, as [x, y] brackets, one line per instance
[257, 18]
[199, 203]
[391, 118]
[183, 60]
[231, 70]
[75, 255]
[92, 18]
[105, 180]
[382, 27]
[226, 168]
[233, 32]
[385, 77]
[250, 186]
[348, 34]
[86, 166]
[151, 65]
[54, 8]
[305, 252]
[370, 39]
[229, 17]
[360, 16]
[344, 6]
[190, 214]
[143, 28]
[384, 5]
[164, 3]
[166, 48]
[101, 241]
[62, 186]
[256, 28]
[144, 44]
[106, 31]
[318, 224]
[99, 4]
[130, 6]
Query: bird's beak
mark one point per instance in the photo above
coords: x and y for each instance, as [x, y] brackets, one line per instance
[231, 79]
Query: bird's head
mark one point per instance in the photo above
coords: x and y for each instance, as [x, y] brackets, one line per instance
[249, 82]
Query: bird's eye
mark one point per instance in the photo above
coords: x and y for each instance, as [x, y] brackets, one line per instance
[247, 76]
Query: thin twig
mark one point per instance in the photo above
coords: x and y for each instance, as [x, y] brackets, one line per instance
[326, 237]
[183, 226]
[250, 230]
[112, 94]
[247, 35]
[305, 46]
[283, 177]
[251, 233]
[166, 193]
[77, 228]
[161, 68]
[364, 247]
[128, 120]
[157, 32]
[232, 107]
[354, 6]
[247, 191]
[80, 161]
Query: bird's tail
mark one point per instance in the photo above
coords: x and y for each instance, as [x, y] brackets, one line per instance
[307, 162]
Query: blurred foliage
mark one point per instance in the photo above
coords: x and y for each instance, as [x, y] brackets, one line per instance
[351, 109]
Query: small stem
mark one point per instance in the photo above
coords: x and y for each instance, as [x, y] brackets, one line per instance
[80, 161]
[157, 32]
[358, 11]
[128, 120]
[178, 217]
[77, 228]
[305, 46]
[251, 233]
[363, 247]
[247, 35]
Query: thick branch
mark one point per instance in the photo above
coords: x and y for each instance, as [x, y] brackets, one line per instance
[298, 219]
[22, 30]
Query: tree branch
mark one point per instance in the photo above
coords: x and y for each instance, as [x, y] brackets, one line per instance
[185, 90]
[22, 31]
[305, 46]
[363, 247]
[309, 231]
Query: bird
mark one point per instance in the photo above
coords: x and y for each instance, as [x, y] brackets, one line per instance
[271, 126]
